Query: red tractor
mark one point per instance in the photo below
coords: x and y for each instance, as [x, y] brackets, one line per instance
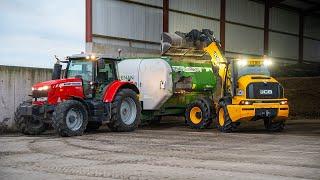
[90, 93]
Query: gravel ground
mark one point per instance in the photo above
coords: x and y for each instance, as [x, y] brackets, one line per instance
[168, 151]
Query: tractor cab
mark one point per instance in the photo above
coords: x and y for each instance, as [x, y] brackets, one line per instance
[241, 69]
[95, 72]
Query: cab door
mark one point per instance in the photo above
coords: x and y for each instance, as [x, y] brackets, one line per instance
[105, 76]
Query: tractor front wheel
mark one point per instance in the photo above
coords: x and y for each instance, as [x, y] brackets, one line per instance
[70, 118]
[27, 124]
[125, 111]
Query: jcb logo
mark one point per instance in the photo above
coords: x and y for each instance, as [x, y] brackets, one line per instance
[265, 91]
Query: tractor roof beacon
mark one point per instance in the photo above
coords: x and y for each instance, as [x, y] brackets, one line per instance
[88, 94]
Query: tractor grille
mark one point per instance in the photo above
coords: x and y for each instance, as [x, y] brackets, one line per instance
[264, 90]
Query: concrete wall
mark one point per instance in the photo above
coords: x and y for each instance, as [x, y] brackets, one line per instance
[15, 86]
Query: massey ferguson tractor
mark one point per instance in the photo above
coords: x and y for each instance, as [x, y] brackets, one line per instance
[88, 94]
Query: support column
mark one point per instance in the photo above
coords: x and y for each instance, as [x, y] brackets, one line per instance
[88, 20]
[266, 27]
[222, 23]
[165, 15]
[301, 32]
[88, 47]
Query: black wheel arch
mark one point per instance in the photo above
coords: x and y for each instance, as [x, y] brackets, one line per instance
[129, 86]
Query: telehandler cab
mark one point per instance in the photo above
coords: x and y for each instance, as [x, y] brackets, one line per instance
[88, 94]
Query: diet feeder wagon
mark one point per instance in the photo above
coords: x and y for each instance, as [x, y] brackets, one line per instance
[171, 86]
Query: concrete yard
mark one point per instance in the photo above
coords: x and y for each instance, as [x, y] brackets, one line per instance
[168, 151]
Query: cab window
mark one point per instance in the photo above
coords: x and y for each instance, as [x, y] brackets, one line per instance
[106, 75]
[80, 68]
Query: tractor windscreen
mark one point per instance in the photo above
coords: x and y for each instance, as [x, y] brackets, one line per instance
[82, 68]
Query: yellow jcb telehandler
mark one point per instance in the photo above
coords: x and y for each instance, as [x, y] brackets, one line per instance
[248, 92]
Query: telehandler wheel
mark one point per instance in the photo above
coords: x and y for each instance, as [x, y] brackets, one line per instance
[70, 118]
[198, 115]
[125, 111]
[224, 122]
[27, 124]
[274, 126]
[92, 126]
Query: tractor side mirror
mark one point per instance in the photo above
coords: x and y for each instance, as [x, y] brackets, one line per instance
[101, 63]
[56, 73]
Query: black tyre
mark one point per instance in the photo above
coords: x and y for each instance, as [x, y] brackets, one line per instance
[274, 126]
[93, 126]
[223, 120]
[27, 124]
[209, 103]
[198, 115]
[125, 111]
[70, 118]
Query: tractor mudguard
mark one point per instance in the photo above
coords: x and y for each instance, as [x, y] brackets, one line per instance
[114, 87]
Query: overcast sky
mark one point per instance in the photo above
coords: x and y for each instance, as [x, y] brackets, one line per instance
[33, 31]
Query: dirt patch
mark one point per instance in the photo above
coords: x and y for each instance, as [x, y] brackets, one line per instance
[170, 151]
[303, 94]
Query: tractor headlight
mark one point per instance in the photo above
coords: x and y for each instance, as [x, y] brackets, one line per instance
[242, 62]
[283, 102]
[267, 62]
[246, 102]
[40, 91]
[91, 57]
[43, 88]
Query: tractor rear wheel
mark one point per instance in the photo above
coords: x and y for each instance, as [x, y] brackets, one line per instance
[125, 111]
[198, 115]
[27, 124]
[274, 126]
[223, 120]
[70, 118]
